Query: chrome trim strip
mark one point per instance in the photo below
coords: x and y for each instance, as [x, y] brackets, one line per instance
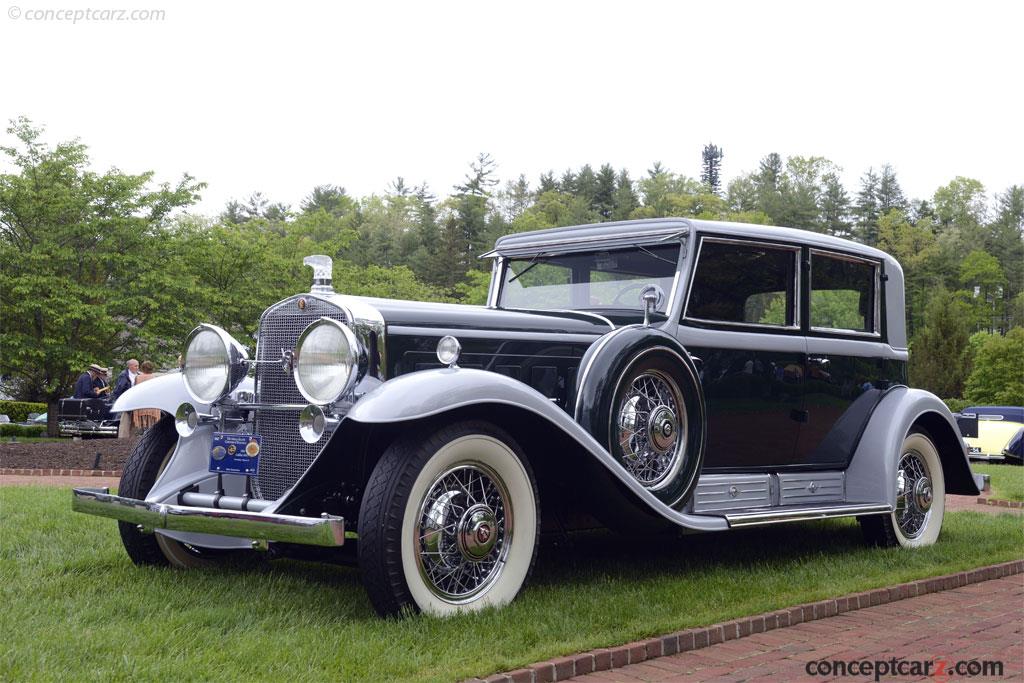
[326, 531]
[582, 376]
[804, 513]
[508, 335]
[796, 249]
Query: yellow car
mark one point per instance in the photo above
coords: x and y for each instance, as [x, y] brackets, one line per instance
[996, 426]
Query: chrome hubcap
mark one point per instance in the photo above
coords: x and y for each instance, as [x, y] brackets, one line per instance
[651, 428]
[464, 532]
[914, 495]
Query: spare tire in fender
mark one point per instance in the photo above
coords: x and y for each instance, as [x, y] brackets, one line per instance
[638, 393]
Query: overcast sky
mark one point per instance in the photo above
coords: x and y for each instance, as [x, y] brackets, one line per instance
[280, 97]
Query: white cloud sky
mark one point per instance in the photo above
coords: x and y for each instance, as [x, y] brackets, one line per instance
[280, 97]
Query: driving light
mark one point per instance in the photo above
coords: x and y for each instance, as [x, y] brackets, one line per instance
[312, 423]
[214, 363]
[327, 360]
[448, 350]
[186, 419]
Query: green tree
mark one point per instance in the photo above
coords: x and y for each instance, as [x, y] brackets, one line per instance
[998, 374]
[981, 274]
[834, 206]
[625, 200]
[939, 351]
[866, 208]
[889, 194]
[85, 274]
[711, 168]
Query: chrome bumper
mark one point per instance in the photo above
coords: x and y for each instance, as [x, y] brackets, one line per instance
[326, 531]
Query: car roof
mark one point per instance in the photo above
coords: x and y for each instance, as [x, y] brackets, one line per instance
[622, 233]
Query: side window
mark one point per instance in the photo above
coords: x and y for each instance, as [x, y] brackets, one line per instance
[744, 283]
[842, 294]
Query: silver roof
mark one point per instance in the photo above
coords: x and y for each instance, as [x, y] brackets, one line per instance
[624, 232]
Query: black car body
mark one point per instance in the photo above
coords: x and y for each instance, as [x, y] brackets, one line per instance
[652, 375]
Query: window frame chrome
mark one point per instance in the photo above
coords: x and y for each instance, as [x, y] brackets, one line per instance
[797, 293]
[876, 265]
[501, 265]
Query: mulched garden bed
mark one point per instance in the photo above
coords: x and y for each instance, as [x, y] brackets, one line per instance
[66, 455]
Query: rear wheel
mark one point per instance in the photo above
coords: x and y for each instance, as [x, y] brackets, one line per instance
[449, 522]
[920, 498]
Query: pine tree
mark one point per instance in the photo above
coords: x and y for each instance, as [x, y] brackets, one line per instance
[586, 185]
[866, 209]
[547, 183]
[889, 194]
[604, 195]
[712, 168]
[568, 182]
[625, 200]
[834, 207]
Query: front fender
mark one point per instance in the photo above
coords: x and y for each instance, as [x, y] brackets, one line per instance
[166, 392]
[871, 476]
[431, 392]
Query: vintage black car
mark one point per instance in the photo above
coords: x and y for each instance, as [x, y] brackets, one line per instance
[86, 417]
[657, 375]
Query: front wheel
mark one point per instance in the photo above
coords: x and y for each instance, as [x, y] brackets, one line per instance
[920, 498]
[449, 522]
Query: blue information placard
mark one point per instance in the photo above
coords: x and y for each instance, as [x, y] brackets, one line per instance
[235, 453]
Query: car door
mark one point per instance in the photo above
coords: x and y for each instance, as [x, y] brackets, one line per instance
[849, 364]
[742, 321]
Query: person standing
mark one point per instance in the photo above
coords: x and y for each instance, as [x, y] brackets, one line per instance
[146, 417]
[91, 383]
[126, 380]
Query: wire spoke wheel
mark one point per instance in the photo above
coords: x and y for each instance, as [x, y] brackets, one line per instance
[651, 427]
[463, 532]
[914, 494]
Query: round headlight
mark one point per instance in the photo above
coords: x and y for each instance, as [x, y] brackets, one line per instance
[214, 363]
[326, 363]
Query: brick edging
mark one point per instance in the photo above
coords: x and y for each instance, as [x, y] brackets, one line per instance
[604, 659]
[1000, 502]
[24, 472]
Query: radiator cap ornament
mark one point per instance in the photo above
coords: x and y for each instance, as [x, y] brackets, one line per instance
[323, 272]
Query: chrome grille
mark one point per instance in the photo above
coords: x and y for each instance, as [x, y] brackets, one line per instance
[284, 455]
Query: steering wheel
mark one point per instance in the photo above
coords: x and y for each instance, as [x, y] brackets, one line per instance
[639, 286]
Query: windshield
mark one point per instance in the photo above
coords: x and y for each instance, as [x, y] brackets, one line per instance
[610, 279]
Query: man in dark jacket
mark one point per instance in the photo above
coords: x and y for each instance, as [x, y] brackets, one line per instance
[126, 380]
[91, 382]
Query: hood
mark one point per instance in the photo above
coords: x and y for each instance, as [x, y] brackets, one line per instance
[405, 314]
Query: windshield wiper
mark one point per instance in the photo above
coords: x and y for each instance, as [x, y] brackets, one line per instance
[653, 255]
[535, 261]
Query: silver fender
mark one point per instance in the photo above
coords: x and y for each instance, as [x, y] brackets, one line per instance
[190, 460]
[166, 392]
[430, 392]
[871, 476]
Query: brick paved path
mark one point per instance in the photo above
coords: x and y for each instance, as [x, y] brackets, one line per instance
[979, 621]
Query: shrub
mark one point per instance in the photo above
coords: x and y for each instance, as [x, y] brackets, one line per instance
[22, 430]
[998, 374]
[18, 410]
[956, 405]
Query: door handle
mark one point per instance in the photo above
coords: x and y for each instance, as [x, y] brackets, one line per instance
[819, 360]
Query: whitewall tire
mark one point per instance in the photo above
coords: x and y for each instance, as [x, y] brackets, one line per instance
[449, 522]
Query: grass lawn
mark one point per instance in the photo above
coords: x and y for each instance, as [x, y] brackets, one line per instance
[1007, 480]
[75, 608]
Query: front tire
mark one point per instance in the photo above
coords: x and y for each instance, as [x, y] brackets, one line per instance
[147, 461]
[449, 522]
[920, 498]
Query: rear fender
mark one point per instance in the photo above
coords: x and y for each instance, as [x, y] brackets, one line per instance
[871, 475]
[429, 393]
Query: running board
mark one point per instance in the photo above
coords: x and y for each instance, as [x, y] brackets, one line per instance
[803, 514]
